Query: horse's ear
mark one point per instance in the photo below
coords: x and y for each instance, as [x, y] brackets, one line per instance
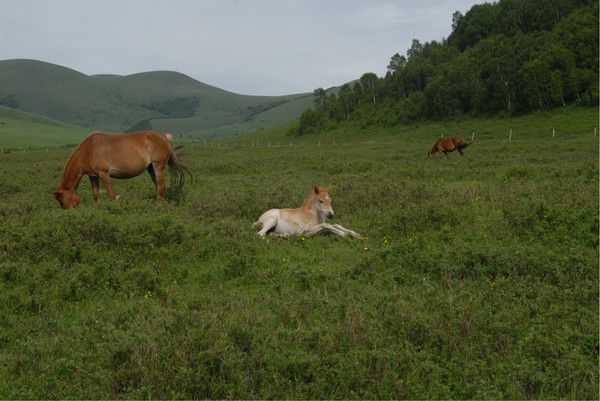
[316, 189]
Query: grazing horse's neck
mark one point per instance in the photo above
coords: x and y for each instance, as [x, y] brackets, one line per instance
[71, 181]
[71, 175]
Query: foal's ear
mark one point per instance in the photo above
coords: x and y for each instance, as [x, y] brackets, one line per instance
[316, 189]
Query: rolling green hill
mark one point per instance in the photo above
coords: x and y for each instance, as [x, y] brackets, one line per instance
[271, 117]
[164, 100]
[19, 129]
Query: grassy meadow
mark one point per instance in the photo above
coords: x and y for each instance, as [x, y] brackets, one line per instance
[476, 277]
[19, 129]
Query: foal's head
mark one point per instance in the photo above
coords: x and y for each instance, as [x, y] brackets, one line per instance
[67, 198]
[323, 201]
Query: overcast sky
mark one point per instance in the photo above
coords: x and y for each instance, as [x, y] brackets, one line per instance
[258, 47]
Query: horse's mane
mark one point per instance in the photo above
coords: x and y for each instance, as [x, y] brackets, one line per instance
[310, 200]
[75, 158]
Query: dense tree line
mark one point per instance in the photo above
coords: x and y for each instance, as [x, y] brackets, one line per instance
[510, 57]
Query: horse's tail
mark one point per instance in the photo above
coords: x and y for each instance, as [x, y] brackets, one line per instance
[177, 169]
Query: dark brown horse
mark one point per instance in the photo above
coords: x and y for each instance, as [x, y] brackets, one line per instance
[101, 156]
[450, 144]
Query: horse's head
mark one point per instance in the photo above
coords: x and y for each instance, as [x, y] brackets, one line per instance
[66, 198]
[323, 203]
[433, 151]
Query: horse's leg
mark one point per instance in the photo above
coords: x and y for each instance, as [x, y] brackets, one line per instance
[105, 177]
[267, 226]
[325, 228]
[460, 152]
[342, 231]
[159, 179]
[95, 188]
[339, 230]
[151, 172]
[314, 231]
[347, 230]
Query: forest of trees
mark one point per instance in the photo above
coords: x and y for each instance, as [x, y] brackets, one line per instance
[510, 57]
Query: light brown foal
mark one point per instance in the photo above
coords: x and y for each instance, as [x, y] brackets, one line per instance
[308, 220]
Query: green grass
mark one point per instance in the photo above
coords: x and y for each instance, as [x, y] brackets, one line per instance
[565, 121]
[19, 129]
[116, 103]
[477, 277]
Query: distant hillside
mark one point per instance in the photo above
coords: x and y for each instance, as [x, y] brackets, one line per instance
[270, 117]
[19, 129]
[164, 100]
[505, 58]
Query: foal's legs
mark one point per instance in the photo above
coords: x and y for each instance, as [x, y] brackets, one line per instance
[325, 228]
[267, 226]
[105, 177]
[347, 230]
[95, 188]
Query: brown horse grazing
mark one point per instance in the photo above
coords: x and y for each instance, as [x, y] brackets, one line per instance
[101, 156]
[449, 145]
